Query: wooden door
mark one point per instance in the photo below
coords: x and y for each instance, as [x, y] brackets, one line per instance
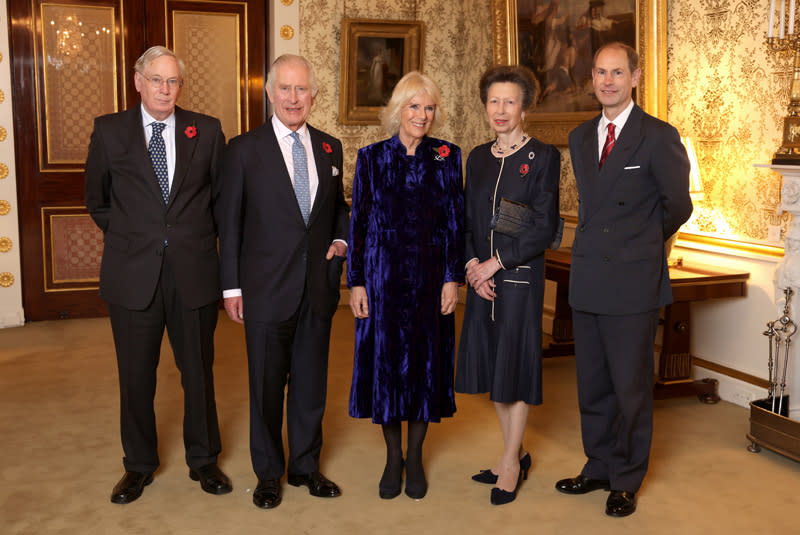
[72, 61]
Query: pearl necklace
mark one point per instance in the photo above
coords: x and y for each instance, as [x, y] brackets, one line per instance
[496, 147]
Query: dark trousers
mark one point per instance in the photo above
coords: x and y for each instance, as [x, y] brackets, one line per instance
[294, 351]
[137, 337]
[615, 369]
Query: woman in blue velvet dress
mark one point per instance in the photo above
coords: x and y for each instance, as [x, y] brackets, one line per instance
[404, 265]
[501, 337]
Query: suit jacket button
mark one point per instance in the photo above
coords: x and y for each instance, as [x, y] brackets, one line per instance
[583, 227]
[605, 259]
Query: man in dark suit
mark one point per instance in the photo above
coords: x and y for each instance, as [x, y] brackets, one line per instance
[632, 174]
[152, 177]
[283, 219]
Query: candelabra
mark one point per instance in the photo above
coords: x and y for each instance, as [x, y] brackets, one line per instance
[787, 40]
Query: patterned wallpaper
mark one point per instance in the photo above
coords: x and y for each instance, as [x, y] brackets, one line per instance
[457, 50]
[729, 93]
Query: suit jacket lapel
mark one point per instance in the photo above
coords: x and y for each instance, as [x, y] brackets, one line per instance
[138, 153]
[588, 180]
[184, 151]
[273, 163]
[323, 164]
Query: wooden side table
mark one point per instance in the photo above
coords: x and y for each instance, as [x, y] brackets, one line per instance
[690, 282]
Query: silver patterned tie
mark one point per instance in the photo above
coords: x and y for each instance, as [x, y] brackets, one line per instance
[158, 155]
[301, 187]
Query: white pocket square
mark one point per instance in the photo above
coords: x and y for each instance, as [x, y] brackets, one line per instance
[633, 167]
[335, 171]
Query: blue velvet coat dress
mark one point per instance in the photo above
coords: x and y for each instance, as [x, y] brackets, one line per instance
[405, 242]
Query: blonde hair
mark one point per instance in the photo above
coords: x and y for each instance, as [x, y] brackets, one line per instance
[407, 88]
[292, 58]
[152, 54]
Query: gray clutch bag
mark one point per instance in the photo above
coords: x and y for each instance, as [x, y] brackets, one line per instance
[513, 217]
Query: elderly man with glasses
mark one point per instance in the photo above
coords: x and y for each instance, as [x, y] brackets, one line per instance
[152, 178]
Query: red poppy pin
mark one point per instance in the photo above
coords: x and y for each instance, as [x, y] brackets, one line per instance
[190, 131]
[327, 148]
[444, 151]
[523, 169]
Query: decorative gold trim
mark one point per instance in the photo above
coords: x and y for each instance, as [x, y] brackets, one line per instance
[5, 207]
[287, 32]
[3, 170]
[730, 372]
[651, 39]
[686, 239]
[5, 244]
[287, 3]
[2, 96]
[3, 134]
[6, 279]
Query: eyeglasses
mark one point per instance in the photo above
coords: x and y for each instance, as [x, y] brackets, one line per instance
[156, 82]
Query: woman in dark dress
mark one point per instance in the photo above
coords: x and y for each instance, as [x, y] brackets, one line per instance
[501, 338]
[404, 265]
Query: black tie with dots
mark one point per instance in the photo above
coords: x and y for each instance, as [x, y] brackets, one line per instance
[158, 155]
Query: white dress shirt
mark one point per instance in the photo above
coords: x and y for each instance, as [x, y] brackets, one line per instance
[169, 138]
[619, 122]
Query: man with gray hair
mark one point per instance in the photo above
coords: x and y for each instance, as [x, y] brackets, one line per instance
[283, 221]
[152, 179]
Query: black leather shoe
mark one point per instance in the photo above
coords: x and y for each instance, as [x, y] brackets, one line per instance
[130, 487]
[620, 503]
[318, 485]
[267, 494]
[211, 479]
[581, 485]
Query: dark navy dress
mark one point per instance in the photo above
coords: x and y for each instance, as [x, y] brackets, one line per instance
[500, 351]
[405, 242]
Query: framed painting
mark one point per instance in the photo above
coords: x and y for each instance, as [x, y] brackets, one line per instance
[557, 39]
[375, 55]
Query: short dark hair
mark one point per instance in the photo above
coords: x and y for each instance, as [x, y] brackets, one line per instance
[515, 74]
[633, 57]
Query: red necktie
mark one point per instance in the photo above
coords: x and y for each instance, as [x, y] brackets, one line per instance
[608, 145]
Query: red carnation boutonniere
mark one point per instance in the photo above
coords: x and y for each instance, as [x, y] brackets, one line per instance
[442, 152]
[523, 170]
[327, 148]
[190, 131]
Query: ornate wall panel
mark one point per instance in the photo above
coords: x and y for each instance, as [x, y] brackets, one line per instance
[209, 45]
[78, 44]
[727, 92]
[457, 50]
[72, 249]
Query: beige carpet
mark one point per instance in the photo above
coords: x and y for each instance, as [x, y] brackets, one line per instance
[61, 456]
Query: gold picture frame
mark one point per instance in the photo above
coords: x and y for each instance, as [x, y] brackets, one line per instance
[651, 43]
[375, 55]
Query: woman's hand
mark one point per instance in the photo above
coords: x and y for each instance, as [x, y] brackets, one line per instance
[449, 297]
[479, 273]
[486, 290]
[358, 301]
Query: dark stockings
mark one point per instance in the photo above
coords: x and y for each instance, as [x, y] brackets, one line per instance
[416, 485]
[393, 472]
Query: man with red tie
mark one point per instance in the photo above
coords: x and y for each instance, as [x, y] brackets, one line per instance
[632, 174]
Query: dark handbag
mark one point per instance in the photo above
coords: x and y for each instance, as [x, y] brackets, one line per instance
[512, 217]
